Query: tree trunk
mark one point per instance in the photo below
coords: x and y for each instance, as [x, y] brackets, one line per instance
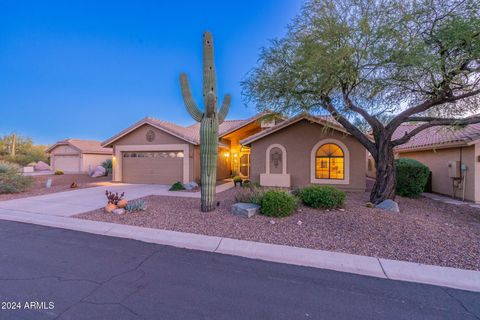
[385, 183]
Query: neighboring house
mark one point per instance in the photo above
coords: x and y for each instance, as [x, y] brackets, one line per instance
[298, 151]
[77, 156]
[452, 155]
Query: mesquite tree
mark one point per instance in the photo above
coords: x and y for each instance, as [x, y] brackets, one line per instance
[404, 61]
[209, 121]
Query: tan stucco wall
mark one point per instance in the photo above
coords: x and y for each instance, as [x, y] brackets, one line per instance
[437, 161]
[299, 140]
[91, 161]
[138, 138]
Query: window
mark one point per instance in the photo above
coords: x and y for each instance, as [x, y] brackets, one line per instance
[330, 162]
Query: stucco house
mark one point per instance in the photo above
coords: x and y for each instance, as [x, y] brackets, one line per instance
[452, 154]
[293, 152]
[77, 156]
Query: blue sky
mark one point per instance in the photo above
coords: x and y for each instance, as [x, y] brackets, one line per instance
[88, 69]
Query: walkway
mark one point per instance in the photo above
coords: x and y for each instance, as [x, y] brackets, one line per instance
[69, 203]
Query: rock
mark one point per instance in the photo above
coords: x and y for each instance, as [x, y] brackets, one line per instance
[272, 222]
[74, 185]
[98, 172]
[190, 185]
[341, 209]
[122, 203]
[388, 205]
[118, 211]
[41, 166]
[110, 207]
[299, 222]
[369, 205]
[245, 209]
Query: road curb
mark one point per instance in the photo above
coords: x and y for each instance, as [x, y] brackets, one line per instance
[343, 262]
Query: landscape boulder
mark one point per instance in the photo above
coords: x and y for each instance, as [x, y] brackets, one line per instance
[98, 172]
[119, 211]
[245, 209]
[41, 166]
[388, 205]
[190, 185]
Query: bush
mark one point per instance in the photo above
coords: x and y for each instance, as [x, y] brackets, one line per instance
[58, 172]
[107, 164]
[11, 180]
[412, 177]
[250, 194]
[6, 167]
[277, 203]
[325, 197]
[177, 186]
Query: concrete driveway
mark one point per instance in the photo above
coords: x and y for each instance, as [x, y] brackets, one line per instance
[70, 203]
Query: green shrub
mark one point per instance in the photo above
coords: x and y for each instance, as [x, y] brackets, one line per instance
[58, 172]
[237, 179]
[412, 177]
[177, 186]
[6, 167]
[277, 203]
[325, 197]
[250, 194]
[107, 164]
[11, 180]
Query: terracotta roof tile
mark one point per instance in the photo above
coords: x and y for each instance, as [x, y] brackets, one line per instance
[436, 136]
[84, 146]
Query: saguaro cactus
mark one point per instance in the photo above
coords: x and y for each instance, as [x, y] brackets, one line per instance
[209, 121]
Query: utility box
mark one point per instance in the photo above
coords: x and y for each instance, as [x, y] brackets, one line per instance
[454, 169]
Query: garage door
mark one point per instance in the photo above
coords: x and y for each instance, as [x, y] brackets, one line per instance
[67, 163]
[162, 167]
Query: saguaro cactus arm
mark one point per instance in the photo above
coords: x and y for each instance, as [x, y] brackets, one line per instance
[192, 107]
[222, 114]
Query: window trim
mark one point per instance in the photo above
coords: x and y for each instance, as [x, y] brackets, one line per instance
[346, 163]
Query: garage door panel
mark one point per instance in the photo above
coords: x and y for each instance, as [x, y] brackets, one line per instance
[164, 167]
[66, 163]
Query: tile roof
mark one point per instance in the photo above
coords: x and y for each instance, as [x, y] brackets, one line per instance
[190, 133]
[84, 146]
[436, 137]
[328, 121]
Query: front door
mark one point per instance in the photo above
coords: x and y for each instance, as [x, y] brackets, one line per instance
[245, 165]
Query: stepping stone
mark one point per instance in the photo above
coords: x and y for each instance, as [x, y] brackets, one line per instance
[245, 209]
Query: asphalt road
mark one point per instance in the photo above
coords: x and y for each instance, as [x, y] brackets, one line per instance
[50, 273]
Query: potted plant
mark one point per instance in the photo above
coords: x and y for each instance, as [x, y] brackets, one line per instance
[237, 180]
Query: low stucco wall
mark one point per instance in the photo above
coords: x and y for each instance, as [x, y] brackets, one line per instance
[437, 161]
[299, 140]
[90, 161]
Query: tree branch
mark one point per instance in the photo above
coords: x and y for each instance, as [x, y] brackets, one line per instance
[369, 145]
[434, 122]
[424, 106]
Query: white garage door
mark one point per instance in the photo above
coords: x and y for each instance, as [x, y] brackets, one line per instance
[156, 167]
[66, 163]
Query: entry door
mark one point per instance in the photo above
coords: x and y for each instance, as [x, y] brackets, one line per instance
[245, 164]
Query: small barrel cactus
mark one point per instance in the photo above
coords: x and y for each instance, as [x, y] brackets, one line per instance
[209, 120]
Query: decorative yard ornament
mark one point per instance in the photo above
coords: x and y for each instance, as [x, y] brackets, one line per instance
[209, 121]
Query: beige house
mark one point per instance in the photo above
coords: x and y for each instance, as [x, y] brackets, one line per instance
[77, 156]
[156, 151]
[298, 151]
[307, 150]
[453, 156]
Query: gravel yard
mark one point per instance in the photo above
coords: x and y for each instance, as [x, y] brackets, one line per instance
[59, 183]
[425, 231]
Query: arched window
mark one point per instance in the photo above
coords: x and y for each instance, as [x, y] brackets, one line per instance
[330, 162]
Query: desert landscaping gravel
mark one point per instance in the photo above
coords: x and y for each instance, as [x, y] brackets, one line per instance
[425, 231]
[59, 183]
